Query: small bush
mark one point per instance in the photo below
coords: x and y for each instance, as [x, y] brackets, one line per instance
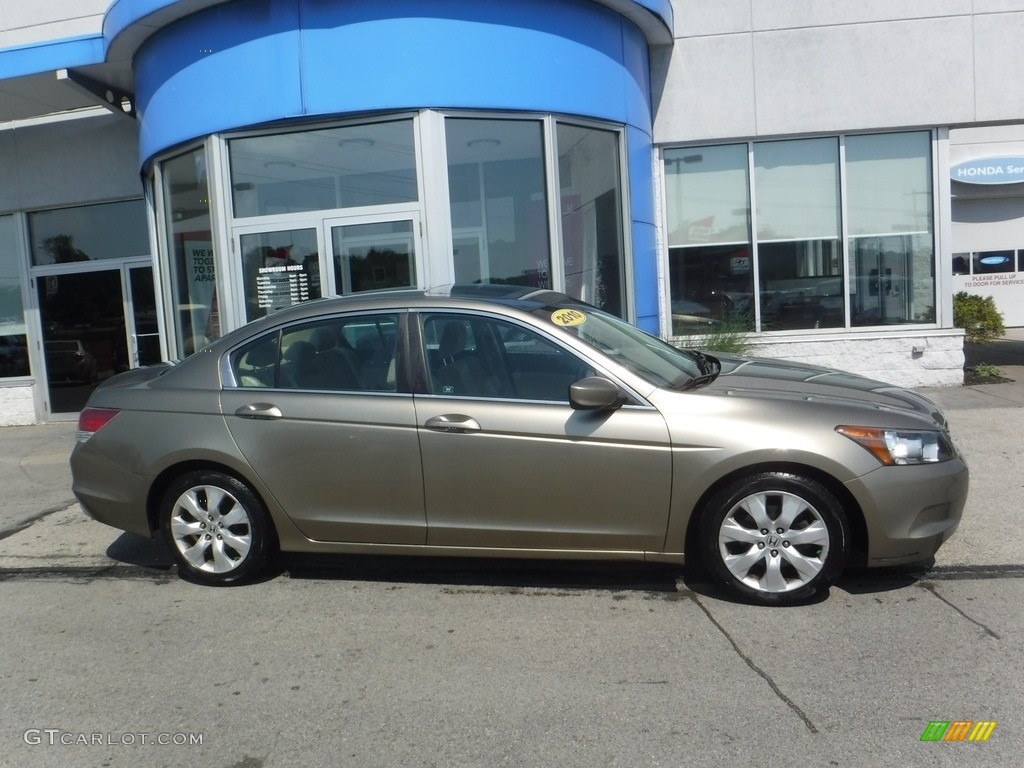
[731, 336]
[978, 316]
[987, 371]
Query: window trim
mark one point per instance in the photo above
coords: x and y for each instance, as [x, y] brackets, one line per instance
[940, 286]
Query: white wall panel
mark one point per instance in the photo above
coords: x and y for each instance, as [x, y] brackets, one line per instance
[864, 76]
[998, 62]
[998, 6]
[24, 23]
[710, 91]
[695, 18]
[794, 14]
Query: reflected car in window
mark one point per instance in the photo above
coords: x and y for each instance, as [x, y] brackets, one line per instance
[514, 423]
[69, 360]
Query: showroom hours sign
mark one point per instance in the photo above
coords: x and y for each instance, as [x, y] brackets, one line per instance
[281, 285]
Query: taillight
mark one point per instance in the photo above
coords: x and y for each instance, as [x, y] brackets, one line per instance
[92, 420]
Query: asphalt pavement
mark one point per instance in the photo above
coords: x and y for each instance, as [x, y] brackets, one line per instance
[400, 661]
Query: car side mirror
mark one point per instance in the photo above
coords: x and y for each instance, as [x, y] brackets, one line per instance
[595, 393]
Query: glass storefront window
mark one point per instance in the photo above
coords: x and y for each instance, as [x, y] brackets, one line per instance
[13, 343]
[800, 278]
[889, 210]
[89, 232]
[708, 198]
[798, 253]
[498, 201]
[193, 271]
[591, 212]
[340, 210]
[345, 167]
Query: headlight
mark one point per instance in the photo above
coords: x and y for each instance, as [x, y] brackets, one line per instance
[901, 446]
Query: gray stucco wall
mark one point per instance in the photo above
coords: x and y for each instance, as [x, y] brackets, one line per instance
[53, 164]
[744, 68]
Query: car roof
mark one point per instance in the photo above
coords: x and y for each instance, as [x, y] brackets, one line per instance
[477, 295]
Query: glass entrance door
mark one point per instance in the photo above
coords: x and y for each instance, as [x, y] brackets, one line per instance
[144, 330]
[84, 334]
[373, 253]
[96, 324]
[279, 268]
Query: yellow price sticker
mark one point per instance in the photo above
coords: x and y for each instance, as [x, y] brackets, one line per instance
[568, 317]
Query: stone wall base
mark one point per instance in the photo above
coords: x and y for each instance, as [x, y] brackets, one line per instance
[932, 358]
[17, 405]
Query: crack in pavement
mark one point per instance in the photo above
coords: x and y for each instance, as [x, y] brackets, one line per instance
[756, 669]
[935, 592]
[27, 522]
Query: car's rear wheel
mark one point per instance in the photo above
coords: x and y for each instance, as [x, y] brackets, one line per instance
[217, 528]
[774, 538]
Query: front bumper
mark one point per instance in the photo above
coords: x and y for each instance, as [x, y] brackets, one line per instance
[910, 510]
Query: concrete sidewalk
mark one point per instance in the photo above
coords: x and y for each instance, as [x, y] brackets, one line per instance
[34, 474]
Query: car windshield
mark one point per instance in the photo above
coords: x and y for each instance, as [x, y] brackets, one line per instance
[651, 358]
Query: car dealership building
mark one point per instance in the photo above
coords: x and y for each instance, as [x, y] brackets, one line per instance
[825, 175]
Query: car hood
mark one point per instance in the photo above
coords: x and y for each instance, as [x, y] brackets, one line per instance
[787, 380]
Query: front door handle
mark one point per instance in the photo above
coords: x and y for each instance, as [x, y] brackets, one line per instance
[259, 411]
[453, 422]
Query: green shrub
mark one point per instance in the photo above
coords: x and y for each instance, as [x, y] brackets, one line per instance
[987, 371]
[731, 336]
[978, 316]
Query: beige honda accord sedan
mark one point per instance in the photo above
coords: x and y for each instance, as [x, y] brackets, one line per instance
[523, 424]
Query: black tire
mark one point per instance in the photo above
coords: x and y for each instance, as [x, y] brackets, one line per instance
[795, 548]
[217, 528]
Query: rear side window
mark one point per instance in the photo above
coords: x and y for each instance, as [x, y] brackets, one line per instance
[342, 354]
[255, 364]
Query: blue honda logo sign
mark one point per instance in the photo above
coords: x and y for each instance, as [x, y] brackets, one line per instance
[990, 170]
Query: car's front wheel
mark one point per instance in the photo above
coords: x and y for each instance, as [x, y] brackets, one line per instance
[774, 538]
[217, 528]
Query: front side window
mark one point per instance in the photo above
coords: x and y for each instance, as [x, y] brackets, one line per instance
[472, 356]
[13, 339]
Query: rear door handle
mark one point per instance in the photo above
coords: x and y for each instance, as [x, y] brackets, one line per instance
[453, 422]
[259, 411]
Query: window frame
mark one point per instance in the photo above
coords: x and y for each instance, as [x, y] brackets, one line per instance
[435, 262]
[231, 380]
[843, 235]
